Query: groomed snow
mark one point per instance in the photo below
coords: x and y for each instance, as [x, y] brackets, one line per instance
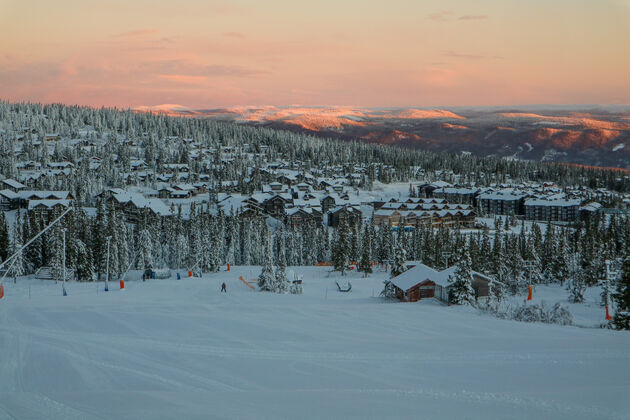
[181, 349]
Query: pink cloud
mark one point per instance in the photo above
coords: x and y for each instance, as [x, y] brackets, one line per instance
[440, 16]
[473, 17]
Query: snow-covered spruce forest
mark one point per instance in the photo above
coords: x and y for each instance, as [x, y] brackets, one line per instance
[206, 238]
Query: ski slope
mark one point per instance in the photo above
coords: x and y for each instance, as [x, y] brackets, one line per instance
[181, 349]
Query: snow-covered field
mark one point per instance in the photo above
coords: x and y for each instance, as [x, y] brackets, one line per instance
[181, 349]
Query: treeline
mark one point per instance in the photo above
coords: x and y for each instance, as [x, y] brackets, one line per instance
[208, 239]
[161, 141]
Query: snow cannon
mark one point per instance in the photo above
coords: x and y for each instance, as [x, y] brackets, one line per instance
[122, 284]
[608, 317]
[529, 292]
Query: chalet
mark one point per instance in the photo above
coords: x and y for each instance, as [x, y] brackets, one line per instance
[200, 188]
[275, 187]
[138, 165]
[29, 165]
[286, 179]
[8, 199]
[303, 187]
[176, 167]
[13, 185]
[164, 177]
[45, 208]
[170, 192]
[60, 165]
[299, 216]
[328, 202]
[275, 205]
[351, 214]
[133, 205]
[422, 281]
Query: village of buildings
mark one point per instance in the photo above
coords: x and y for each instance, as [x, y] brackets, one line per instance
[292, 194]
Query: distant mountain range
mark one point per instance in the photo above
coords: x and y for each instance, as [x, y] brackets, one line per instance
[598, 136]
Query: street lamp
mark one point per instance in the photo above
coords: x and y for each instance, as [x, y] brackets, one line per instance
[610, 274]
[529, 266]
[107, 275]
[446, 256]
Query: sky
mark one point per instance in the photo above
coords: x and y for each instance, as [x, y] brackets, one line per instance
[372, 53]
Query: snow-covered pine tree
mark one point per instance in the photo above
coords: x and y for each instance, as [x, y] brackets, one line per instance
[180, 251]
[461, 290]
[99, 243]
[400, 261]
[215, 257]
[355, 244]
[365, 264]
[341, 247]
[145, 245]
[267, 277]
[55, 246]
[17, 268]
[114, 244]
[309, 250]
[399, 266]
[622, 298]
[282, 283]
[517, 279]
[494, 297]
[5, 244]
[33, 254]
[122, 246]
[575, 283]
[82, 261]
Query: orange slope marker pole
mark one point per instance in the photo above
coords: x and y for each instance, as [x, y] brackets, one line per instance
[608, 317]
[1, 291]
[246, 284]
[529, 292]
[122, 284]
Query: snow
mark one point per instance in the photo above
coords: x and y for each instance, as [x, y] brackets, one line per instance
[618, 147]
[182, 349]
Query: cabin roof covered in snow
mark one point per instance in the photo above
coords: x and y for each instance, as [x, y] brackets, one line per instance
[503, 195]
[13, 183]
[47, 203]
[422, 272]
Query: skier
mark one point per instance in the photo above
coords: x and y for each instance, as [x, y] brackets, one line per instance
[223, 289]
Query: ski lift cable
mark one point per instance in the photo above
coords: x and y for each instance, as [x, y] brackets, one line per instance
[33, 239]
